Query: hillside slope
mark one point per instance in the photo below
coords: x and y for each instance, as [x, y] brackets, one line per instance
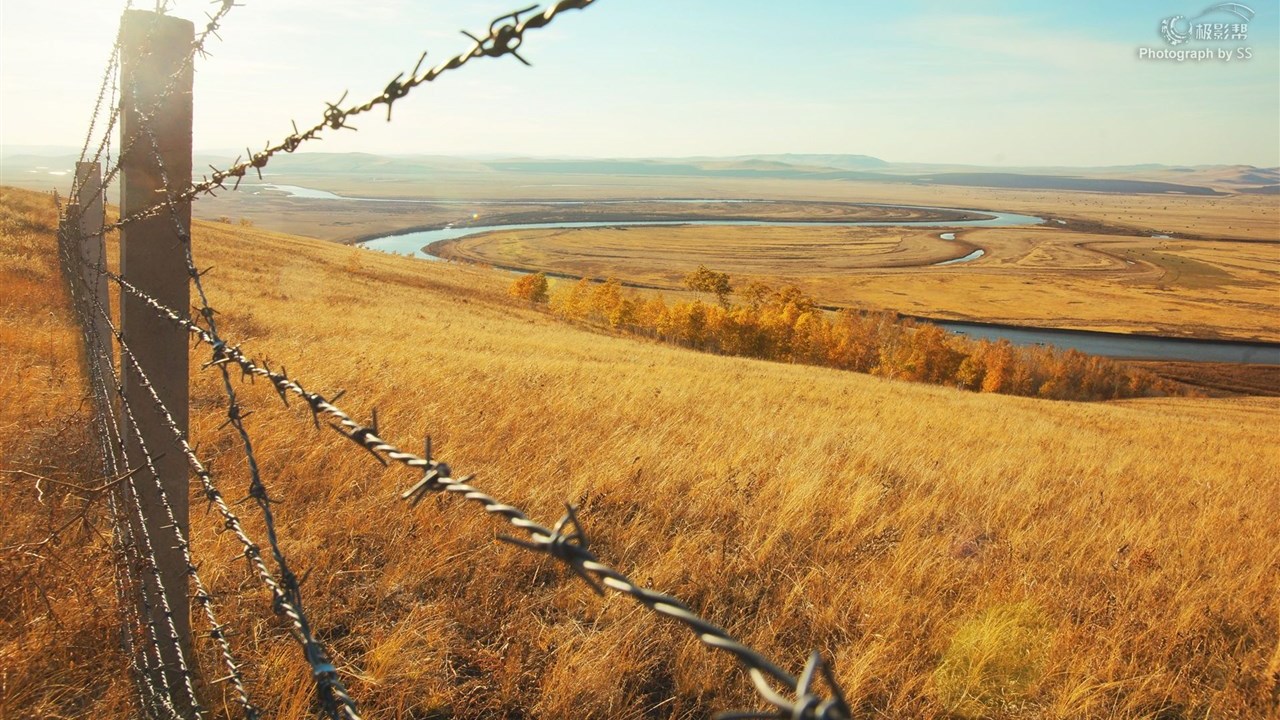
[954, 553]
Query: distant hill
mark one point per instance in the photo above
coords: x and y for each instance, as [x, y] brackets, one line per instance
[1063, 182]
[1262, 190]
[1249, 175]
[366, 163]
[7, 150]
[36, 169]
[839, 162]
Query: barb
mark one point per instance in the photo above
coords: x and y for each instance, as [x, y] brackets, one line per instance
[198, 47]
[505, 37]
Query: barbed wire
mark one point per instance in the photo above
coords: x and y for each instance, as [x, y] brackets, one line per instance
[285, 599]
[289, 604]
[565, 541]
[131, 590]
[504, 37]
[105, 143]
[334, 696]
[113, 62]
[146, 545]
[125, 556]
[202, 595]
[288, 597]
[198, 47]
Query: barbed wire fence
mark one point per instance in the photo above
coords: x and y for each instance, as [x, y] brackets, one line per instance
[139, 421]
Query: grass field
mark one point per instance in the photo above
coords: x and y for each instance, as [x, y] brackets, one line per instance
[1042, 277]
[349, 221]
[956, 554]
[1220, 378]
[1235, 217]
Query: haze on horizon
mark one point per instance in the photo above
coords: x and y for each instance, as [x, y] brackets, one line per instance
[997, 83]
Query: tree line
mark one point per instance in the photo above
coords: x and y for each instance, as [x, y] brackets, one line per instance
[785, 324]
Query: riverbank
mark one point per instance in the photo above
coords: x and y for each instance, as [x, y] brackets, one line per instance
[501, 215]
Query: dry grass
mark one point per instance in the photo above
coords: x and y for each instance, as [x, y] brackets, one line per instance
[55, 629]
[1219, 379]
[662, 256]
[956, 554]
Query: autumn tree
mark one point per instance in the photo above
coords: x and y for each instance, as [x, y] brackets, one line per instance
[532, 288]
[933, 360]
[653, 317]
[574, 304]
[756, 294]
[610, 305]
[854, 341]
[973, 368]
[715, 283]
[689, 323]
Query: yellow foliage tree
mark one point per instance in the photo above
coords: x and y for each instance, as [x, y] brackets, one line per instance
[532, 288]
[574, 304]
[704, 280]
[609, 305]
[787, 325]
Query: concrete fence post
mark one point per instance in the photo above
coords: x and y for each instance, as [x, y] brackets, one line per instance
[155, 132]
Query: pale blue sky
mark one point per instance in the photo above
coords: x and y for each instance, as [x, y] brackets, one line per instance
[983, 82]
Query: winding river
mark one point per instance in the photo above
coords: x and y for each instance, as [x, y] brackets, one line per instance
[1118, 345]
[416, 243]
[1124, 345]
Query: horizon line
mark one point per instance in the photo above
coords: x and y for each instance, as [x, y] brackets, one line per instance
[55, 151]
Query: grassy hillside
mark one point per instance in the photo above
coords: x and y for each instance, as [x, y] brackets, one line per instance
[956, 554]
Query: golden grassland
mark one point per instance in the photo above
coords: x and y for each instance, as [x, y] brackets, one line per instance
[662, 256]
[956, 554]
[1042, 277]
[348, 221]
[1226, 217]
